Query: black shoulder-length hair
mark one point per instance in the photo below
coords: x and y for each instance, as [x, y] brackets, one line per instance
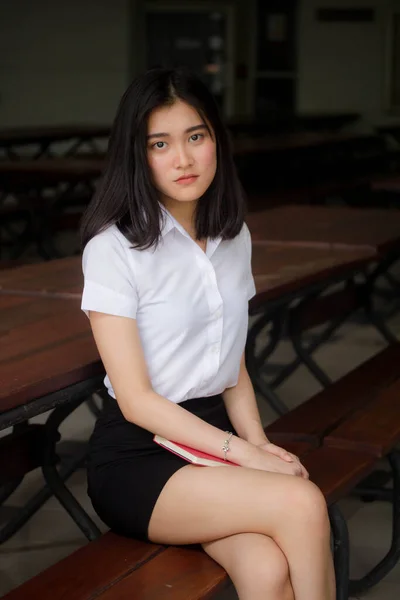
[126, 195]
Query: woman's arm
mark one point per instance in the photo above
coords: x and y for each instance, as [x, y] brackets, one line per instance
[119, 345]
[241, 405]
[118, 342]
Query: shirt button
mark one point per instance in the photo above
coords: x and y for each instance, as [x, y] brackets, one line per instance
[218, 314]
[215, 348]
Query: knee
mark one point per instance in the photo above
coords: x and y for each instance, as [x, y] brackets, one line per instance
[309, 505]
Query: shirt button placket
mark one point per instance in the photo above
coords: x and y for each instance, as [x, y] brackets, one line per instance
[214, 329]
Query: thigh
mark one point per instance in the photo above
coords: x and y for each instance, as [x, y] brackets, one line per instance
[202, 504]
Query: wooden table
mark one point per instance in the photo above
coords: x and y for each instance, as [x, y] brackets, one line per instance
[303, 121]
[48, 172]
[277, 269]
[282, 275]
[48, 360]
[61, 278]
[281, 270]
[67, 169]
[43, 137]
[322, 227]
[23, 184]
[295, 141]
[46, 346]
[336, 228]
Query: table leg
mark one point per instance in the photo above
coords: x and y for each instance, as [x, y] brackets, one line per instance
[360, 296]
[295, 333]
[36, 502]
[72, 151]
[44, 151]
[368, 291]
[53, 478]
[255, 362]
[9, 488]
[64, 402]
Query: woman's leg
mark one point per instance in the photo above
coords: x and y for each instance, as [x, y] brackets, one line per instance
[204, 504]
[256, 566]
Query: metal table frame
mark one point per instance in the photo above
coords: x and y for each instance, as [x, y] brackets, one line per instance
[284, 313]
[64, 402]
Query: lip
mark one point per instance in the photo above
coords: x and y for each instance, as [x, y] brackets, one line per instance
[186, 179]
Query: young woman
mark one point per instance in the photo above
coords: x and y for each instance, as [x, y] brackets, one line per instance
[167, 267]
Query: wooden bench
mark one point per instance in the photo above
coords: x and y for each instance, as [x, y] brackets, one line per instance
[115, 568]
[373, 428]
[360, 412]
[313, 420]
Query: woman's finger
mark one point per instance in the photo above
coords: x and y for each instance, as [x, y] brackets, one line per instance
[280, 452]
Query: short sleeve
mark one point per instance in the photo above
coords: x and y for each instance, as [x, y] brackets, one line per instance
[251, 288]
[109, 282]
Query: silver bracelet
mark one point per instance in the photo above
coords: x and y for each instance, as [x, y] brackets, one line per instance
[225, 447]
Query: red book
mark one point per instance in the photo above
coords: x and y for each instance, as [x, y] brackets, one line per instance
[192, 455]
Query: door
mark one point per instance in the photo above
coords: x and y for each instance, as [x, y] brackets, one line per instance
[194, 38]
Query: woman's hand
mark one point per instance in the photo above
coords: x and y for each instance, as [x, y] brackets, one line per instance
[284, 455]
[277, 451]
[258, 458]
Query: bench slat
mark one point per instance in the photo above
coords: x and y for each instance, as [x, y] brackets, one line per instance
[300, 449]
[317, 417]
[336, 472]
[176, 574]
[87, 572]
[374, 429]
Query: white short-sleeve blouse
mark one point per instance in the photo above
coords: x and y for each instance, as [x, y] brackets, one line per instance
[191, 307]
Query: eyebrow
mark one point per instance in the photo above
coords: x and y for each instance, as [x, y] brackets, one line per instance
[189, 130]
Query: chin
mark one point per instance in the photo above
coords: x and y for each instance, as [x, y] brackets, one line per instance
[187, 195]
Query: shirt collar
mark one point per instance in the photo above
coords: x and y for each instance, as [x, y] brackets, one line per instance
[169, 222]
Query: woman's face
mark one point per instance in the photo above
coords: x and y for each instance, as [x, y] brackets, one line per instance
[181, 153]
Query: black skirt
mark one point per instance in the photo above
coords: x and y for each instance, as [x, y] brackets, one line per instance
[127, 470]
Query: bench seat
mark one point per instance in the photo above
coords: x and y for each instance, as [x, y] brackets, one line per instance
[327, 410]
[336, 472]
[374, 429]
[116, 568]
[87, 572]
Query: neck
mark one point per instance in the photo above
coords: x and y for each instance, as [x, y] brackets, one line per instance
[183, 212]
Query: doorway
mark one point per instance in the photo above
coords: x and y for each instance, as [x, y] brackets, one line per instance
[200, 37]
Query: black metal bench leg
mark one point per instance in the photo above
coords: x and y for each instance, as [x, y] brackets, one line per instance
[9, 488]
[290, 368]
[35, 503]
[393, 556]
[367, 292]
[95, 404]
[304, 354]
[55, 481]
[341, 551]
[255, 363]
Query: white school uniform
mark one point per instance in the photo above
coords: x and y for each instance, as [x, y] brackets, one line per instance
[191, 307]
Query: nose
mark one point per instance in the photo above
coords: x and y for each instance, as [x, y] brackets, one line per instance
[183, 157]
